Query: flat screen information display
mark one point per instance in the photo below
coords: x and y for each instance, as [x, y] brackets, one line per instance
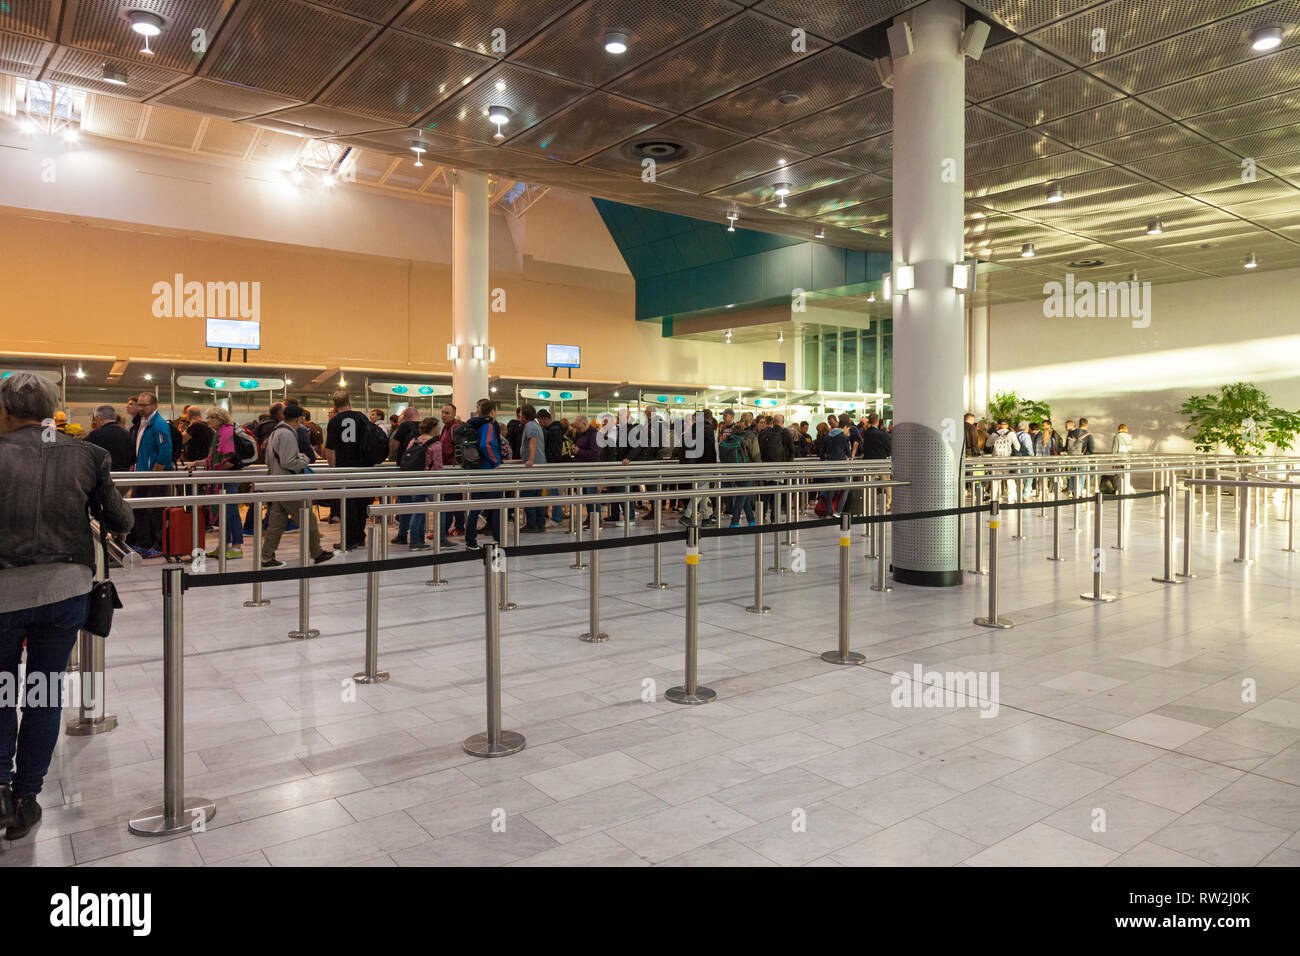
[563, 356]
[234, 334]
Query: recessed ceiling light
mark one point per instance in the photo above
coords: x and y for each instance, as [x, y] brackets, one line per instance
[1027, 250]
[1266, 38]
[288, 381]
[788, 99]
[81, 373]
[148, 376]
[1055, 193]
[113, 75]
[615, 43]
[1251, 261]
[1155, 227]
[731, 305]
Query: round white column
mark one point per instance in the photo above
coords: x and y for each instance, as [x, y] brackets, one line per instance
[929, 329]
[469, 288]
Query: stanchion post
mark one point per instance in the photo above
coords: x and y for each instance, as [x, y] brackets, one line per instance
[372, 674]
[882, 543]
[1098, 557]
[979, 557]
[1218, 500]
[691, 692]
[257, 600]
[177, 813]
[88, 653]
[579, 564]
[1189, 501]
[777, 498]
[1170, 518]
[594, 634]
[221, 535]
[658, 583]
[1119, 521]
[1244, 496]
[304, 629]
[993, 620]
[436, 580]
[842, 654]
[495, 742]
[1290, 511]
[758, 607]
[1056, 520]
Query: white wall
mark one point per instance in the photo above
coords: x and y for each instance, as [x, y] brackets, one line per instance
[1203, 334]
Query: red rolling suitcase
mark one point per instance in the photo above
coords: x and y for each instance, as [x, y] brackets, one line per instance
[177, 534]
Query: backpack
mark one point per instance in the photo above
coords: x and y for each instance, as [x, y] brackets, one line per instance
[178, 442]
[245, 448]
[1074, 445]
[770, 445]
[1004, 446]
[732, 449]
[1106, 485]
[464, 444]
[374, 447]
[413, 457]
[553, 444]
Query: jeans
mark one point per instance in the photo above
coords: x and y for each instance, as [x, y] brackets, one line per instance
[234, 530]
[533, 517]
[740, 503]
[493, 516]
[415, 528]
[616, 507]
[50, 631]
[557, 513]
[356, 516]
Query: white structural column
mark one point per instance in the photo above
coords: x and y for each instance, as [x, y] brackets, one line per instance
[977, 359]
[469, 288]
[929, 328]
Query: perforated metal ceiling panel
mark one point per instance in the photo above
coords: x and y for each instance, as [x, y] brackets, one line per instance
[1152, 116]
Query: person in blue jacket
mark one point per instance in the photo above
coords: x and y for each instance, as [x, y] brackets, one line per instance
[153, 452]
[484, 424]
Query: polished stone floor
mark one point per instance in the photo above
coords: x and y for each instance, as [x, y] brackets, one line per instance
[1160, 730]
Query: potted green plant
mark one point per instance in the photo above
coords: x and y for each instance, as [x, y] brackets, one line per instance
[1240, 417]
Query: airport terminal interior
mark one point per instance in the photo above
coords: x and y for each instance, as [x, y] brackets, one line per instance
[825, 433]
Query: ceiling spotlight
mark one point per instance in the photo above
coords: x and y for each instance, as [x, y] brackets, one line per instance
[782, 190]
[732, 215]
[81, 373]
[1055, 194]
[1266, 38]
[113, 75]
[1155, 227]
[615, 43]
[1027, 250]
[148, 376]
[288, 381]
[731, 305]
[780, 337]
[871, 297]
[820, 233]
[417, 147]
[1133, 276]
[1251, 261]
[788, 99]
[728, 336]
[147, 25]
[499, 116]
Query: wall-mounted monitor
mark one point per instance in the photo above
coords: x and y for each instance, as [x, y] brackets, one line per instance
[233, 334]
[774, 371]
[563, 356]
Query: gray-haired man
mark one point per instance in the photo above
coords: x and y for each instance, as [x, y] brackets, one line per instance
[108, 433]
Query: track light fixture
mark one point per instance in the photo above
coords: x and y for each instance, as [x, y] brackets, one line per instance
[1155, 227]
[820, 233]
[1251, 262]
[113, 75]
[1027, 251]
[616, 43]
[1055, 193]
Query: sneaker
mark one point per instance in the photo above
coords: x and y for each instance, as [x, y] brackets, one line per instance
[233, 554]
[473, 546]
[6, 806]
[456, 533]
[531, 529]
[291, 526]
[151, 553]
[751, 524]
[445, 543]
[398, 540]
[273, 564]
[214, 553]
[419, 546]
[27, 813]
[323, 557]
[710, 520]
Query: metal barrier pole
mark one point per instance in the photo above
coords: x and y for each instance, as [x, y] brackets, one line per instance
[1119, 522]
[503, 529]
[1075, 509]
[177, 813]
[979, 557]
[864, 508]
[1170, 518]
[875, 506]
[194, 525]
[658, 584]
[1218, 500]
[372, 674]
[1290, 511]
[1243, 525]
[436, 581]
[993, 620]
[690, 692]
[627, 519]
[221, 535]
[1205, 494]
[1056, 521]
[842, 654]
[343, 523]
[519, 518]
[758, 607]
[88, 659]
[882, 540]
[383, 538]
[579, 564]
[790, 517]
[594, 634]
[495, 742]
[776, 567]
[1020, 534]
[1098, 558]
[1189, 499]
[257, 599]
[575, 514]
[305, 630]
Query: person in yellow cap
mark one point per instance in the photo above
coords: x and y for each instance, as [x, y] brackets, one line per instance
[72, 430]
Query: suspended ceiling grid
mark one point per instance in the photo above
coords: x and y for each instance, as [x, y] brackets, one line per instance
[1155, 124]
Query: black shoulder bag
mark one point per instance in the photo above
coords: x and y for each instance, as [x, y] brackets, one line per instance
[103, 597]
